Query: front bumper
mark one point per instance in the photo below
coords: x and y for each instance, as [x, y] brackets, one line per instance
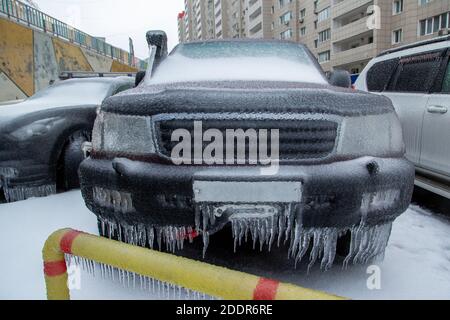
[333, 195]
[23, 179]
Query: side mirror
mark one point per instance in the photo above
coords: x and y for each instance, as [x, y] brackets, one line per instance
[157, 42]
[341, 78]
[139, 77]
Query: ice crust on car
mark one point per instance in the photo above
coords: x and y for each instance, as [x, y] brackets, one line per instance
[354, 137]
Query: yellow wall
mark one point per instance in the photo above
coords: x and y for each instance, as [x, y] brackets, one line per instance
[27, 56]
[16, 55]
[70, 57]
[119, 67]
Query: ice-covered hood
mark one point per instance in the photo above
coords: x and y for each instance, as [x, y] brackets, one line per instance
[14, 115]
[16, 110]
[247, 97]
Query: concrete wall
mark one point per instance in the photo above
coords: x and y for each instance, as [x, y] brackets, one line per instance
[30, 59]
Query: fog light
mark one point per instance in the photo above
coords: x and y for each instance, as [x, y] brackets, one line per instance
[115, 200]
[379, 200]
[8, 172]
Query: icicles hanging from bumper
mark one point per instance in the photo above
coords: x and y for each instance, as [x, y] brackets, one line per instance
[265, 226]
[19, 193]
[22, 192]
[367, 242]
[145, 235]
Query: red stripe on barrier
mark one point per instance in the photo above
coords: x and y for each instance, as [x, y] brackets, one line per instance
[56, 268]
[266, 289]
[67, 240]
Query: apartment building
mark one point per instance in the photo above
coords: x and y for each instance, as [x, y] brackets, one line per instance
[342, 34]
[187, 17]
[182, 34]
[259, 17]
[229, 19]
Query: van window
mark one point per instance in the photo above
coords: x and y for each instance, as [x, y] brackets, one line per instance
[379, 75]
[417, 73]
[446, 84]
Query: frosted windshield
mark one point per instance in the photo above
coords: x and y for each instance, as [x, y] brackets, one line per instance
[240, 60]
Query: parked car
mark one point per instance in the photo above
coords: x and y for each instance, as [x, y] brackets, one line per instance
[41, 137]
[341, 174]
[416, 78]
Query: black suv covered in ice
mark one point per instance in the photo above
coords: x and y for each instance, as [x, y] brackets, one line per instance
[340, 171]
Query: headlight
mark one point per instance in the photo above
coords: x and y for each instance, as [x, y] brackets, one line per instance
[122, 134]
[374, 135]
[36, 128]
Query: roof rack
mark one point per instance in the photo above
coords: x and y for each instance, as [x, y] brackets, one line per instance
[88, 74]
[415, 45]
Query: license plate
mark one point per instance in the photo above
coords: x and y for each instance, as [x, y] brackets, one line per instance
[247, 192]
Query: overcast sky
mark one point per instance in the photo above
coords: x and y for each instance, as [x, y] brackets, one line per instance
[118, 19]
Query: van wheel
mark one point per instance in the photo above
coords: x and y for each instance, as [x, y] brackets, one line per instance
[71, 158]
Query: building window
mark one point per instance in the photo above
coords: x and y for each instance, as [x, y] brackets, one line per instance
[324, 14]
[397, 36]
[324, 35]
[303, 31]
[282, 3]
[285, 18]
[398, 7]
[324, 56]
[424, 2]
[303, 13]
[286, 34]
[434, 24]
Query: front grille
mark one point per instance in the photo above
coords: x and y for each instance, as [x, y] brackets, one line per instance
[298, 139]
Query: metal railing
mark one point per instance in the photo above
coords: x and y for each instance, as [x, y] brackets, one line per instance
[25, 14]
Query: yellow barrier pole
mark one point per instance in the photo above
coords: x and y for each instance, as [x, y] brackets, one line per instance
[197, 276]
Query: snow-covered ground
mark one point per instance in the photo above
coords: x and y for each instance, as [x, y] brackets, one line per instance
[417, 263]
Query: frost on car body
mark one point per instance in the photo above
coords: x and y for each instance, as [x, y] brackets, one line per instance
[341, 156]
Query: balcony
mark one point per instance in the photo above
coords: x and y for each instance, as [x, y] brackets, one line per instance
[350, 30]
[346, 6]
[253, 4]
[361, 53]
[255, 18]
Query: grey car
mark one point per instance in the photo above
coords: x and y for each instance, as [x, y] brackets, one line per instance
[41, 137]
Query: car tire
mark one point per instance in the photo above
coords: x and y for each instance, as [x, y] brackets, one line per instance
[71, 158]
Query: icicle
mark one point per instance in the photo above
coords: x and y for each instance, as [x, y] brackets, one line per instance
[205, 243]
[329, 249]
[142, 235]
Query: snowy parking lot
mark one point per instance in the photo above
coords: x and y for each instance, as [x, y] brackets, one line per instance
[417, 263]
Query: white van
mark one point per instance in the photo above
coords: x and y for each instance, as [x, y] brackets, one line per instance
[417, 80]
